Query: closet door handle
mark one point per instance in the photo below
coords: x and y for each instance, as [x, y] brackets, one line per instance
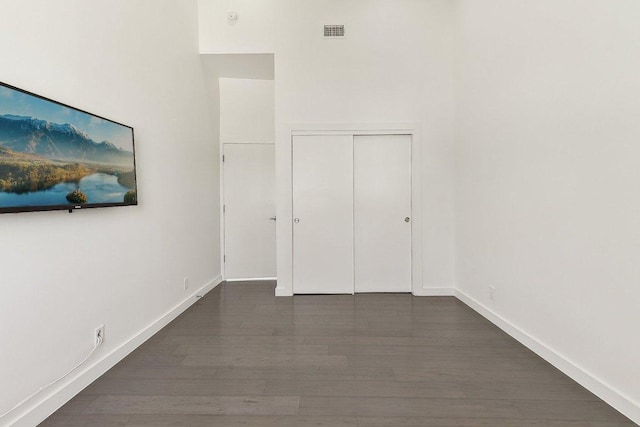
[407, 219]
[273, 218]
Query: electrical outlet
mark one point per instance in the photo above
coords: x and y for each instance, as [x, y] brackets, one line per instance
[186, 283]
[98, 335]
[492, 293]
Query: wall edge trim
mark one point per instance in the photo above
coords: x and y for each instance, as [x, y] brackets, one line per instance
[604, 391]
[47, 405]
[435, 292]
[282, 292]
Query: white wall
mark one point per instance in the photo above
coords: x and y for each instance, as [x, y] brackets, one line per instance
[246, 111]
[62, 275]
[548, 208]
[395, 65]
[251, 32]
[243, 66]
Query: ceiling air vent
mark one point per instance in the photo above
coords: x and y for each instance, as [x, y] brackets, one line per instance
[334, 31]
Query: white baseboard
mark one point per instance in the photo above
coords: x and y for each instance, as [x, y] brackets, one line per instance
[422, 292]
[434, 292]
[48, 404]
[281, 292]
[598, 387]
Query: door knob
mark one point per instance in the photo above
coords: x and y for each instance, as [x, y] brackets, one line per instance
[273, 218]
[296, 220]
[407, 219]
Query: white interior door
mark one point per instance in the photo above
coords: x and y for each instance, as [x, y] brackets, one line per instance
[323, 214]
[250, 210]
[382, 213]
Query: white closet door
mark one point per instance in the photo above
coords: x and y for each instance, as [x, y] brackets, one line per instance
[250, 210]
[323, 214]
[382, 213]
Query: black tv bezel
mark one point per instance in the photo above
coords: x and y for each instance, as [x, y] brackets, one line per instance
[71, 207]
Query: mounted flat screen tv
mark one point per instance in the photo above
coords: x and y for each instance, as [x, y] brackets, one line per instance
[54, 157]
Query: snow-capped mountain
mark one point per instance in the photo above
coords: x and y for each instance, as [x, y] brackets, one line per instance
[57, 141]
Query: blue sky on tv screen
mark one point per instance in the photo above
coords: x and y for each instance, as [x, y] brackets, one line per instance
[21, 104]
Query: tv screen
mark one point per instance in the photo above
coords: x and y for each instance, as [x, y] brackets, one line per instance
[53, 156]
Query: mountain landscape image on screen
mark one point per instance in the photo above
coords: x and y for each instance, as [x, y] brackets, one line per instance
[49, 163]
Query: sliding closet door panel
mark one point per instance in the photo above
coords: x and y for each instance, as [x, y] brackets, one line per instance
[382, 213]
[323, 214]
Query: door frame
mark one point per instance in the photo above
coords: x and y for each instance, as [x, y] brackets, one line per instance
[223, 215]
[284, 194]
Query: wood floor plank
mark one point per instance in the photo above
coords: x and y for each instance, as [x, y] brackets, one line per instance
[568, 410]
[520, 390]
[78, 420]
[242, 357]
[471, 374]
[233, 341]
[478, 422]
[432, 352]
[306, 373]
[387, 342]
[253, 349]
[153, 359]
[177, 387]
[363, 388]
[187, 405]
[218, 330]
[386, 406]
[265, 360]
[239, 421]
[78, 404]
[125, 371]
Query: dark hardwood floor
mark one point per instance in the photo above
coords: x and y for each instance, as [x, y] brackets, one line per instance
[242, 357]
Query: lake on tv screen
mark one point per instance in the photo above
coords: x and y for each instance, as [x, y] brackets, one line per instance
[98, 187]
